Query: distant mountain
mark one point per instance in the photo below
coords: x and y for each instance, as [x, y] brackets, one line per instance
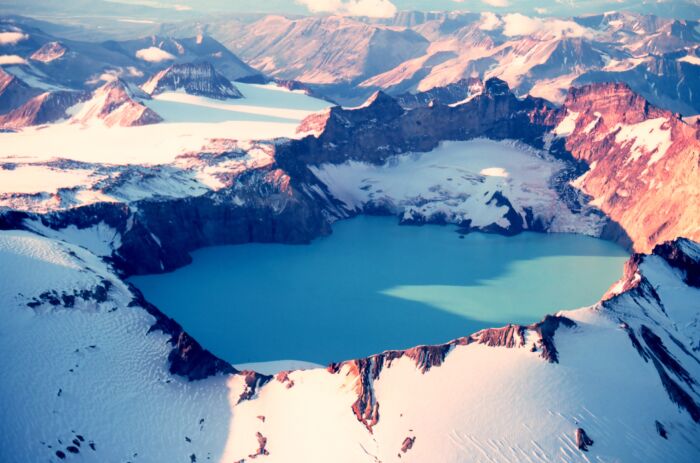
[44, 108]
[542, 56]
[158, 51]
[115, 103]
[319, 50]
[194, 78]
[14, 91]
[50, 63]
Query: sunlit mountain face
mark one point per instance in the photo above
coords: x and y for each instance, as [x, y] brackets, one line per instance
[349, 231]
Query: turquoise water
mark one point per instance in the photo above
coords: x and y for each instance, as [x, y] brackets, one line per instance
[373, 285]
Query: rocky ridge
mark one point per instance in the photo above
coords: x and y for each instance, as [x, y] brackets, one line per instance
[194, 78]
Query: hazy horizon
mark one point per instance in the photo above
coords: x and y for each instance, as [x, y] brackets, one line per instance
[167, 10]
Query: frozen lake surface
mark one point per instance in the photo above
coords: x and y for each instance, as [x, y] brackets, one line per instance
[373, 285]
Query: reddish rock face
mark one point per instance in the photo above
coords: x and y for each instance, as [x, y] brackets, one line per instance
[644, 163]
[42, 109]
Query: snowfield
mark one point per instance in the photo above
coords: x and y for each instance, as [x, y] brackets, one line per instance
[90, 369]
[458, 181]
[78, 161]
[189, 126]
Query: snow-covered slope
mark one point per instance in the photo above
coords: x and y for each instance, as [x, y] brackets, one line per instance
[86, 368]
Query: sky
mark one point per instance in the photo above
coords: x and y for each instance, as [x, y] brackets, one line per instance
[387, 8]
[169, 10]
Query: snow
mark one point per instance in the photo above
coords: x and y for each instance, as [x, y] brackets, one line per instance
[646, 137]
[11, 38]
[179, 106]
[190, 124]
[457, 180]
[92, 368]
[101, 239]
[591, 125]
[33, 80]
[567, 125]
[494, 172]
[692, 59]
[42, 179]
[11, 59]
[154, 55]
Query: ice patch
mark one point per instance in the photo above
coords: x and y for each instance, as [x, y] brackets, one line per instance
[567, 125]
[647, 137]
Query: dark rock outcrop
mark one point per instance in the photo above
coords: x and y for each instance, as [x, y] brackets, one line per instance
[407, 444]
[253, 382]
[446, 95]
[261, 450]
[187, 357]
[382, 128]
[582, 440]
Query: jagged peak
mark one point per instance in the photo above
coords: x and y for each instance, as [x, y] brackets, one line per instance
[196, 78]
[118, 84]
[378, 98]
[615, 99]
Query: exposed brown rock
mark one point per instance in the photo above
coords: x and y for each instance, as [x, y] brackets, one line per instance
[262, 442]
[283, 377]
[407, 444]
[253, 382]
